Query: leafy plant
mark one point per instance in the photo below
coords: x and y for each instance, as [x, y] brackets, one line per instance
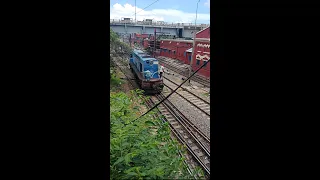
[141, 149]
[118, 47]
[115, 81]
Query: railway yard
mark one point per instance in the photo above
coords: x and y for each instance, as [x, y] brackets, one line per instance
[182, 69]
[187, 110]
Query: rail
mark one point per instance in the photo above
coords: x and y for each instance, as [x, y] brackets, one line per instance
[189, 130]
[187, 91]
[189, 101]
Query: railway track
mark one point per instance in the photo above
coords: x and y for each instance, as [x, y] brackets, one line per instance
[181, 69]
[191, 98]
[197, 143]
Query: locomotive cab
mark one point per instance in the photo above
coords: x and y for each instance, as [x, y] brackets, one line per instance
[146, 70]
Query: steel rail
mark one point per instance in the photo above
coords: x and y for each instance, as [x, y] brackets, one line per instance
[184, 73]
[189, 101]
[150, 104]
[187, 90]
[185, 119]
[191, 135]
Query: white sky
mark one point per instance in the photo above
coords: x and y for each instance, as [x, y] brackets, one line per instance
[118, 11]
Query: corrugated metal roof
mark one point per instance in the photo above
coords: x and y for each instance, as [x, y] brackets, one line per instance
[203, 30]
[189, 50]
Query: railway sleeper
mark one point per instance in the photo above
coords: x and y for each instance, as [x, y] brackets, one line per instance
[170, 119]
[198, 102]
[193, 148]
[206, 108]
[206, 162]
[190, 97]
[200, 154]
[173, 123]
[200, 139]
[195, 100]
[203, 105]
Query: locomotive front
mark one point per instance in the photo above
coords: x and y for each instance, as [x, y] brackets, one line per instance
[146, 71]
[152, 81]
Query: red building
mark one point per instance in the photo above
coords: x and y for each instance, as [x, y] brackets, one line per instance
[146, 43]
[176, 49]
[182, 50]
[202, 52]
[138, 38]
[141, 36]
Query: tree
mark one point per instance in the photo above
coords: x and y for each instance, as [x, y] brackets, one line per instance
[117, 48]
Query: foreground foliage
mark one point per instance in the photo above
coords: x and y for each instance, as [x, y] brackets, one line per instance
[141, 149]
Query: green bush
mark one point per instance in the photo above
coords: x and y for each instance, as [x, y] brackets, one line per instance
[141, 149]
[115, 81]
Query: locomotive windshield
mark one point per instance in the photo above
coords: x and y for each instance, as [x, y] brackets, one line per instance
[150, 62]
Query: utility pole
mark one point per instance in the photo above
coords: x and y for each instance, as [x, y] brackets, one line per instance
[194, 42]
[154, 48]
[135, 11]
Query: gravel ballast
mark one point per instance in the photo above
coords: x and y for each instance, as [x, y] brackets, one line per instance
[199, 119]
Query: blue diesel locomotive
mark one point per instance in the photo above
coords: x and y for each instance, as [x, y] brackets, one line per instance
[146, 70]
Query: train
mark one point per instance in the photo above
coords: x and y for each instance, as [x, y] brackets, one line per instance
[146, 70]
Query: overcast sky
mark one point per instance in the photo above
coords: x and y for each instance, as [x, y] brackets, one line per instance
[177, 11]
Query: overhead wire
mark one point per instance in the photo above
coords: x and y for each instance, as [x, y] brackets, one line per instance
[146, 7]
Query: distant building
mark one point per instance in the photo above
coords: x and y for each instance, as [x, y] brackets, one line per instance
[176, 49]
[182, 50]
[202, 52]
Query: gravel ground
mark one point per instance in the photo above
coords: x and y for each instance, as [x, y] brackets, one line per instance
[199, 119]
[195, 87]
